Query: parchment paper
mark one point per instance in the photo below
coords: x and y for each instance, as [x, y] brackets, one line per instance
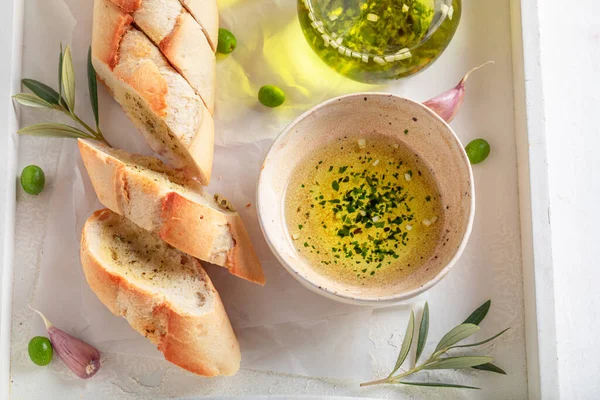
[282, 327]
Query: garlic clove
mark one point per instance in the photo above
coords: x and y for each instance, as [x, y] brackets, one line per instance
[447, 104]
[81, 358]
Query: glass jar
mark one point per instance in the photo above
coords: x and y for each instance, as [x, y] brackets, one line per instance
[374, 41]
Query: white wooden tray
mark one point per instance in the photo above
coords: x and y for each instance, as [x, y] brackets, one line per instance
[508, 259]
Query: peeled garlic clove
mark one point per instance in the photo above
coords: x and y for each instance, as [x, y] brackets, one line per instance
[447, 104]
[80, 357]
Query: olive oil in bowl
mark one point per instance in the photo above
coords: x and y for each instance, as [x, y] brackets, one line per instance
[367, 199]
[364, 213]
[377, 40]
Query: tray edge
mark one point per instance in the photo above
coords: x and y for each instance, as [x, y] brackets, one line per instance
[11, 41]
[536, 241]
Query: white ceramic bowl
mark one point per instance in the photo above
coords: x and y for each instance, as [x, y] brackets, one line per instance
[430, 138]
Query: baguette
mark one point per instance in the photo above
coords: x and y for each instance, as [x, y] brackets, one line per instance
[164, 201]
[180, 38]
[160, 102]
[163, 293]
[206, 12]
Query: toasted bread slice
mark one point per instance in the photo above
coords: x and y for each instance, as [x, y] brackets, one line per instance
[206, 12]
[159, 101]
[180, 38]
[163, 293]
[164, 201]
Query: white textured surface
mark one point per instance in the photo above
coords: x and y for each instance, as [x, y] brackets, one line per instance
[491, 267]
[572, 90]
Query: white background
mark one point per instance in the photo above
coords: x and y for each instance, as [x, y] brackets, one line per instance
[570, 39]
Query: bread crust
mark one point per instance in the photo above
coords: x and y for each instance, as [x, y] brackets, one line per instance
[160, 102]
[185, 224]
[180, 38]
[203, 344]
[128, 6]
[206, 12]
[110, 25]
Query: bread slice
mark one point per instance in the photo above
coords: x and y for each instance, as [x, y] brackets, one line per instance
[160, 102]
[180, 38]
[206, 12]
[163, 293]
[161, 200]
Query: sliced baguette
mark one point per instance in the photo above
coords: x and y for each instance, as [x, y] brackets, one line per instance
[163, 201]
[206, 12]
[180, 38]
[159, 101]
[163, 293]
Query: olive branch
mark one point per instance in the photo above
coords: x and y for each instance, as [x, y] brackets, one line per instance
[441, 359]
[64, 101]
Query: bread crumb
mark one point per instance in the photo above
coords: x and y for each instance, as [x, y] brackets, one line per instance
[223, 203]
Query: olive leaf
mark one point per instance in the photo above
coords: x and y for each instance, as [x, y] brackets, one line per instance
[478, 315]
[406, 343]
[53, 130]
[46, 97]
[60, 65]
[437, 360]
[68, 79]
[459, 362]
[31, 100]
[435, 384]
[423, 332]
[479, 343]
[93, 87]
[41, 90]
[490, 368]
[457, 334]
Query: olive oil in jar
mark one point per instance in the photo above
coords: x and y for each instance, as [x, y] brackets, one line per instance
[377, 40]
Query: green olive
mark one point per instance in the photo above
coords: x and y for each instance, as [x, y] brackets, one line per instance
[478, 150]
[227, 41]
[33, 179]
[271, 96]
[40, 350]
